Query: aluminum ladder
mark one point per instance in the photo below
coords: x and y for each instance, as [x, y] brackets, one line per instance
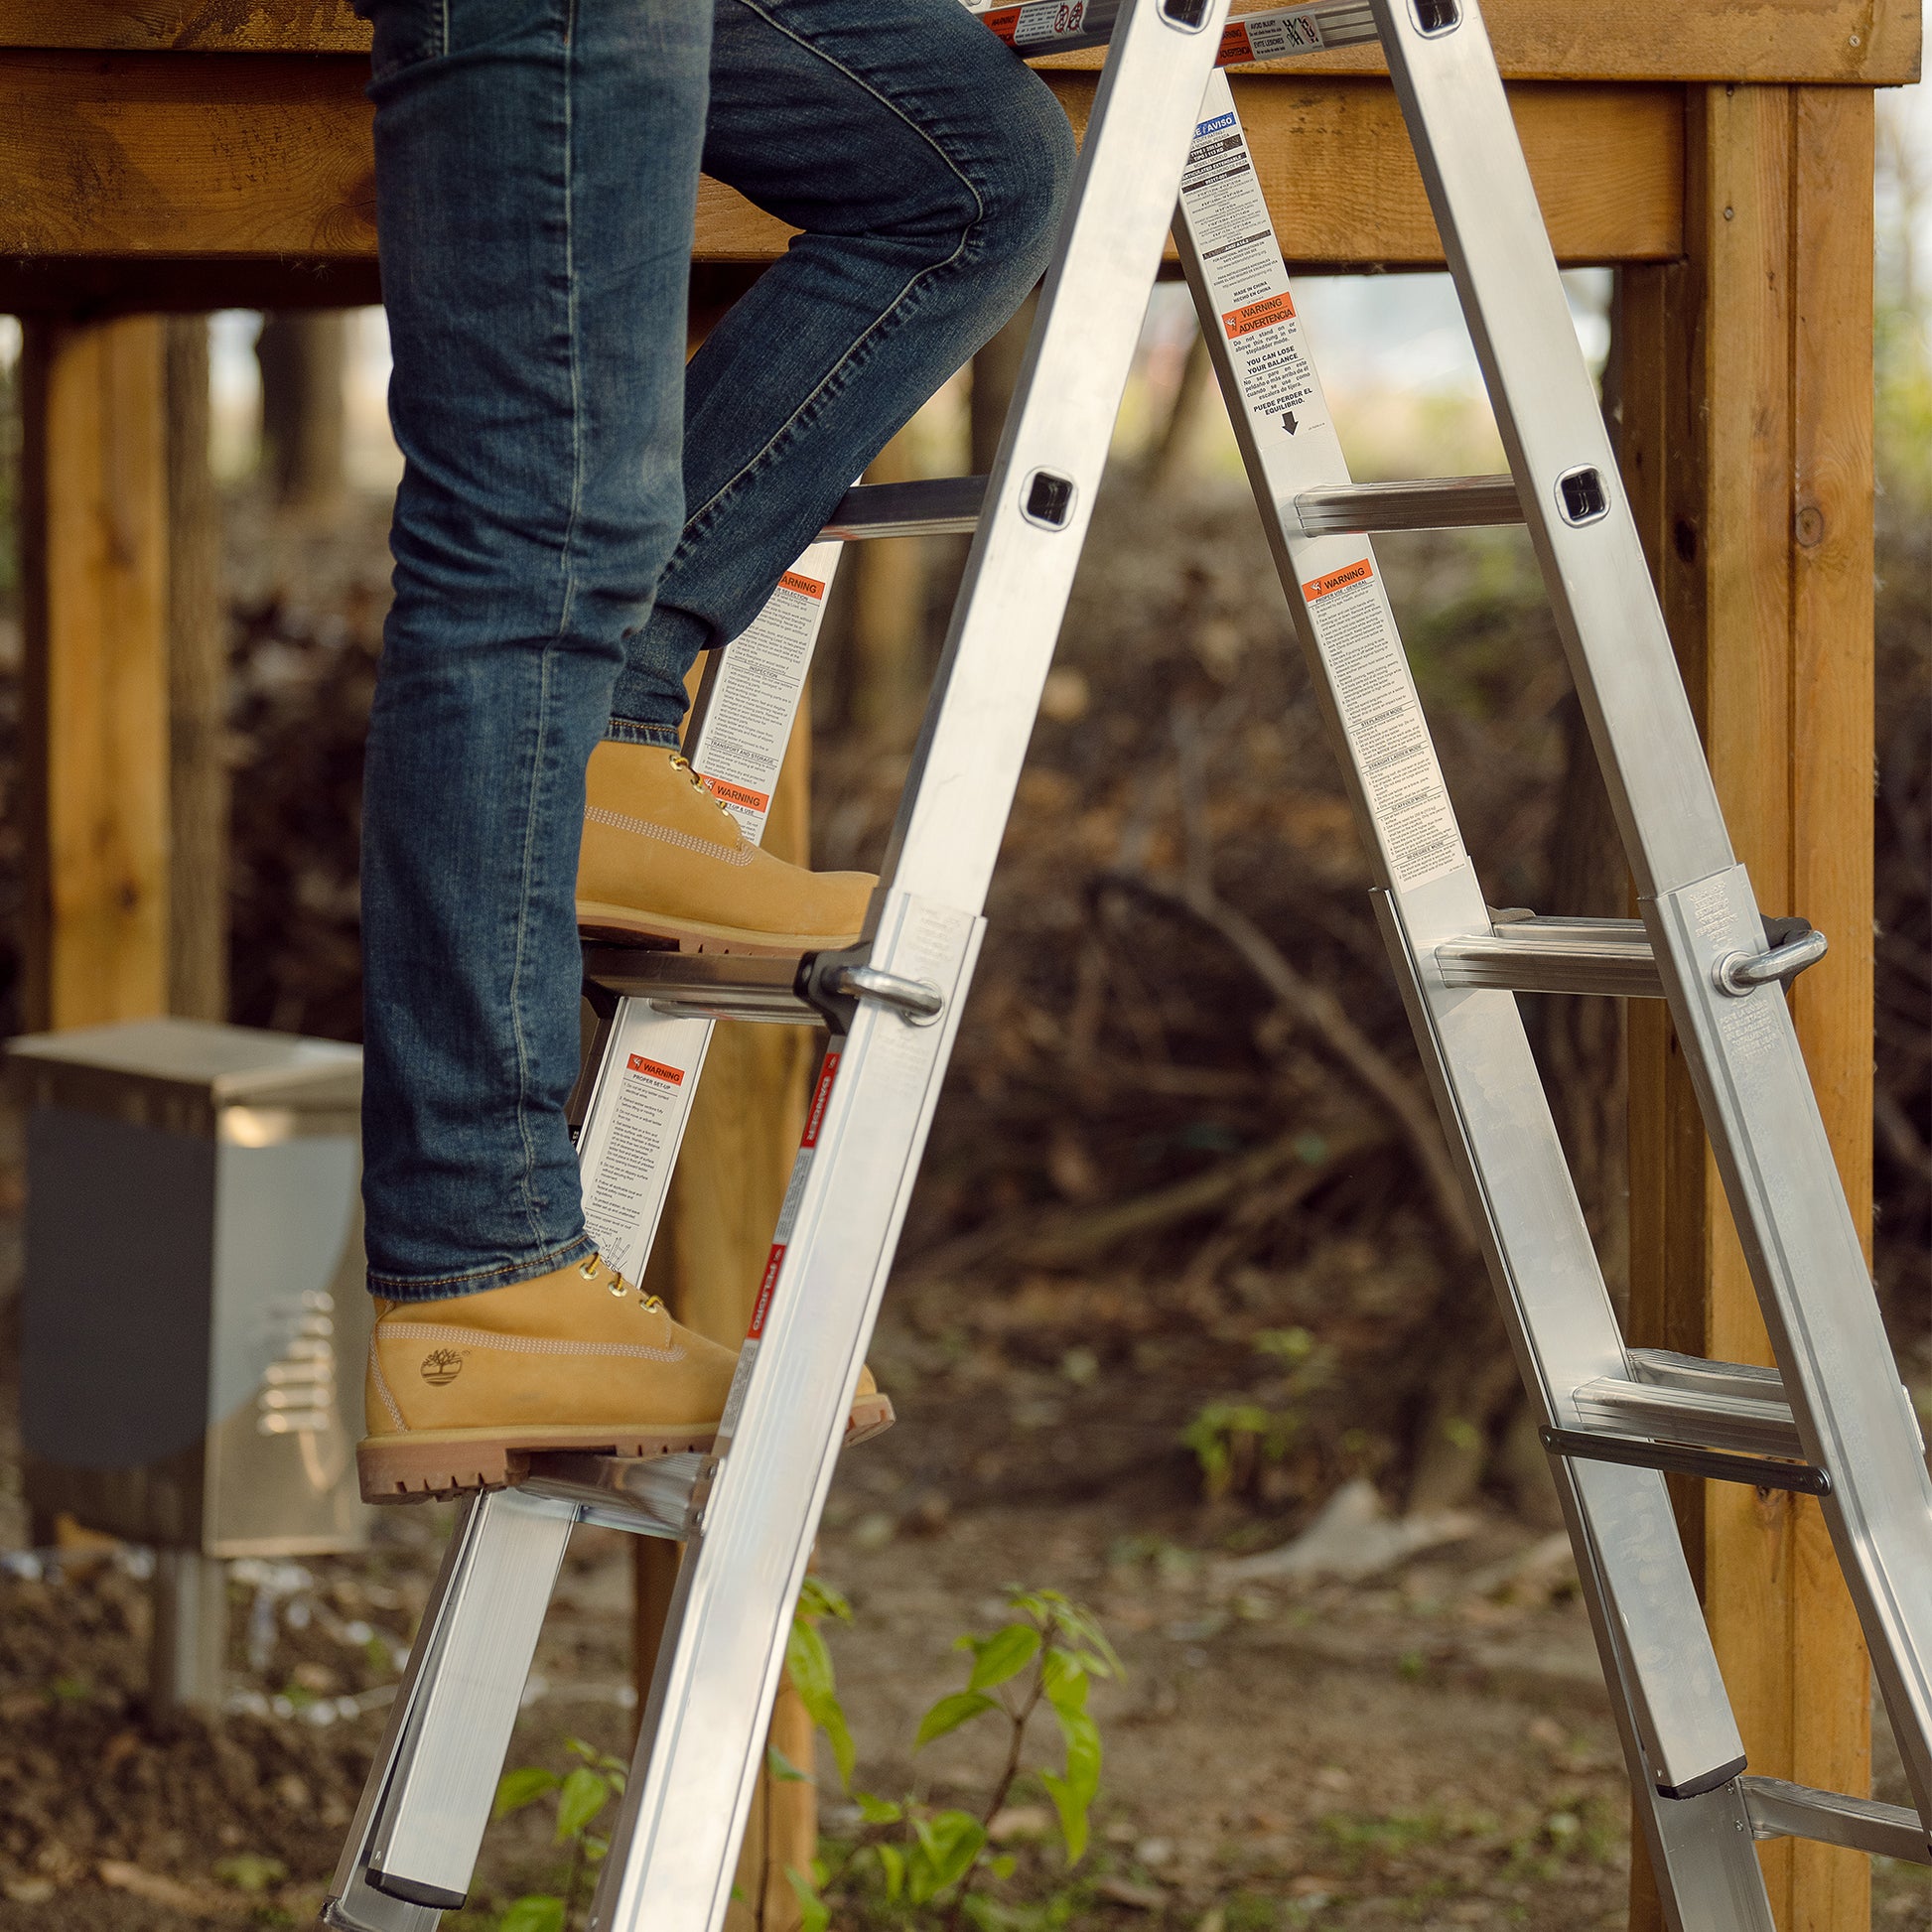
[1832, 1420]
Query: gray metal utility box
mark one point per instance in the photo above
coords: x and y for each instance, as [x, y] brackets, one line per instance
[194, 1315]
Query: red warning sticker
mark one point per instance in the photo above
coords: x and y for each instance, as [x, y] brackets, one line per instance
[762, 1305]
[805, 586]
[1337, 580]
[1264, 314]
[1002, 21]
[732, 794]
[821, 1095]
[657, 1069]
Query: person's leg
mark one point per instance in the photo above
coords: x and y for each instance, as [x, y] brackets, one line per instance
[537, 176]
[927, 167]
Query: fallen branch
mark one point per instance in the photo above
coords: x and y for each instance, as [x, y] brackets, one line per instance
[1319, 1012]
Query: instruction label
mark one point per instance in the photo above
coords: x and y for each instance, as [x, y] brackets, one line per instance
[1269, 37]
[741, 741]
[1225, 215]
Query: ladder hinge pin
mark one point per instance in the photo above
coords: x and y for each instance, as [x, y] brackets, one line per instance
[1740, 973]
[918, 1002]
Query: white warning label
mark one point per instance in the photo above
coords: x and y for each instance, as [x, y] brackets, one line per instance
[638, 1121]
[1387, 736]
[747, 717]
[1226, 218]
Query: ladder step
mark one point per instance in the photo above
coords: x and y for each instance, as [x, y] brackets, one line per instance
[934, 506]
[644, 1496]
[1525, 952]
[1436, 504]
[1272, 34]
[705, 985]
[1779, 1809]
[1685, 1460]
[1700, 1417]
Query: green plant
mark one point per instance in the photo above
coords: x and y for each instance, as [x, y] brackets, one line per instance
[921, 1862]
[581, 1794]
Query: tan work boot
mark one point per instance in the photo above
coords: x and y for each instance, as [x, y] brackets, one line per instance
[662, 858]
[460, 1391]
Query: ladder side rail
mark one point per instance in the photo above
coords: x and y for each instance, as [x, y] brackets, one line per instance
[1498, 1123]
[686, 1803]
[1020, 570]
[757, 1505]
[1742, 1050]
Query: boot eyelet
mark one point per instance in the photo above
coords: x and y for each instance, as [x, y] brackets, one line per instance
[649, 1304]
[616, 1286]
[587, 1269]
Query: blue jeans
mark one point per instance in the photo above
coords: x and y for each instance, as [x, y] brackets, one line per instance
[581, 512]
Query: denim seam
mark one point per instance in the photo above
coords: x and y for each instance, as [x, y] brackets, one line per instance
[829, 383]
[397, 1287]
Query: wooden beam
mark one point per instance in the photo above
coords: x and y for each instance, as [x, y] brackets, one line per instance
[1855, 40]
[1747, 445]
[199, 157]
[94, 555]
[197, 692]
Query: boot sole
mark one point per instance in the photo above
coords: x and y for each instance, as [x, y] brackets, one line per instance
[597, 919]
[435, 1465]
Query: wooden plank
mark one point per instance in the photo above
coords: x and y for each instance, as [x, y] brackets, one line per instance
[197, 156]
[1832, 858]
[197, 692]
[95, 696]
[1753, 409]
[1844, 41]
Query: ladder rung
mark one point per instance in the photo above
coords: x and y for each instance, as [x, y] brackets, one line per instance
[705, 985]
[1705, 1418]
[1527, 954]
[1663, 1368]
[1436, 504]
[933, 506]
[646, 1495]
[1686, 1460]
[1779, 1809]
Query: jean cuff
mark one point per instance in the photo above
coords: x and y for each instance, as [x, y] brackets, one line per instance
[444, 1288]
[633, 731]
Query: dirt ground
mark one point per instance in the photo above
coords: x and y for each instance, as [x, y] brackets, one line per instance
[1427, 1747]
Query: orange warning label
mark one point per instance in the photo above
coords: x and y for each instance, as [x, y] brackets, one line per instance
[1337, 580]
[1264, 314]
[657, 1069]
[1003, 22]
[1235, 46]
[732, 794]
[804, 585]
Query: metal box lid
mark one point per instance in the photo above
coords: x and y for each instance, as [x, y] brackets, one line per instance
[194, 1076]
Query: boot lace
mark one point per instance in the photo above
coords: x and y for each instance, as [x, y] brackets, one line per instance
[616, 1283]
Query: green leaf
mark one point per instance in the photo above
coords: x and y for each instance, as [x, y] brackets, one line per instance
[515, 1789]
[251, 1871]
[962, 1707]
[1065, 1679]
[1073, 1816]
[1003, 1655]
[878, 1811]
[585, 1794]
[1003, 1867]
[783, 1769]
[810, 1665]
[536, 1912]
[817, 1597]
[1082, 1737]
[891, 1862]
[952, 1840]
[813, 1915]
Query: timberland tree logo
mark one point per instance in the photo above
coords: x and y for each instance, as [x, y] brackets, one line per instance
[441, 1367]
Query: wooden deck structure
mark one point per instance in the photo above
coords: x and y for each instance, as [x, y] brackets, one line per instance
[183, 155]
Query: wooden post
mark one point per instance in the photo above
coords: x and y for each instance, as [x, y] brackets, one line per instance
[197, 692]
[1747, 449]
[725, 1199]
[94, 553]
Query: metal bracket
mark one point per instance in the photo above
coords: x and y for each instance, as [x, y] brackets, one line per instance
[836, 982]
[1790, 946]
